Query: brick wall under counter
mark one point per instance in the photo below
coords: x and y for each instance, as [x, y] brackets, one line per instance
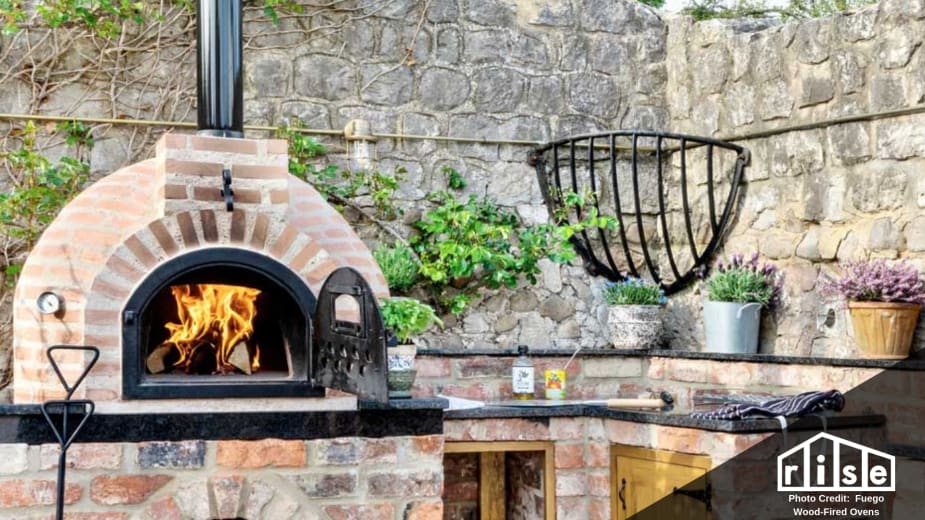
[378, 479]
[582, 452]
[488, 378]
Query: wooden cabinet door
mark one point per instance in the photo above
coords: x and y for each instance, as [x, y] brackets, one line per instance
[644, 477]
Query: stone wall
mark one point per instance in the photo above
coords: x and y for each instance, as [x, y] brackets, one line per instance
[813, 198]
[524, 69]
[383, 479]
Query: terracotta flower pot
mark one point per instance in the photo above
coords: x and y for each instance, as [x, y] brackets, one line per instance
[884, 330]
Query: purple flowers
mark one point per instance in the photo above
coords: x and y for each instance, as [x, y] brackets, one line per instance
[877, 281]
[744, 281]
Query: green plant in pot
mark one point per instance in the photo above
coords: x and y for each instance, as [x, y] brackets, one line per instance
[635, 314]
[884, 300]
[405, 318]
[737, 291]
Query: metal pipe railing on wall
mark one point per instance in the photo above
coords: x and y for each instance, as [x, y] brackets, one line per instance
[758, 134]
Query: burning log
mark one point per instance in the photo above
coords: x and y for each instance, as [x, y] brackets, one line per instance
[202, 359]
[240, 358]
[163, 358]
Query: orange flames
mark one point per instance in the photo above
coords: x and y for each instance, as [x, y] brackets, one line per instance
[218, 315]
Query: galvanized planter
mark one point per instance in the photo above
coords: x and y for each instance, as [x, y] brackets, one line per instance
[635, 326]
[731, 327]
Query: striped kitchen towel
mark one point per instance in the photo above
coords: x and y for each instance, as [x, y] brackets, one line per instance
[790, 406]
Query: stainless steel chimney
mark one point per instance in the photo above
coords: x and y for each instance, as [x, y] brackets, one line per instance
[218, 51]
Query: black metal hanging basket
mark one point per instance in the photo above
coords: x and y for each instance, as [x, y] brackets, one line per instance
[672, 195]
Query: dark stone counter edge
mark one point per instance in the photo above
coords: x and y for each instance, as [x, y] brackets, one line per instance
[907, 451]
[907, 364]
[669, 419]
[25, 424]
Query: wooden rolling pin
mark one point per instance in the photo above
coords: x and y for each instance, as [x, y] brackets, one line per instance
[663, 400]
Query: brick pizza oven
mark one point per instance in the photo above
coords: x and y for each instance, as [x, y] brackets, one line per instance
[161, 263]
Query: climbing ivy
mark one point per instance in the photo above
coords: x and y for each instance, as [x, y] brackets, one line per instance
[338, 185]
[40, 188]
[794, 9]
[106, 17]
[468, 243]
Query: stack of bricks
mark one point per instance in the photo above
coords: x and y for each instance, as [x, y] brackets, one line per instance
[118, 230]
[332, 479]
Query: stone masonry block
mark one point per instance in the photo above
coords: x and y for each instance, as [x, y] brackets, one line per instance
[421, 483]
[126, 489]
[28, 493]
[184, 454]
[612, 367]
[261, 454]
[14, 458]
[83, 456]
[326, 485]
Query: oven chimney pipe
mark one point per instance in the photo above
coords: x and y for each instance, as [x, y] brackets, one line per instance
[218, 51]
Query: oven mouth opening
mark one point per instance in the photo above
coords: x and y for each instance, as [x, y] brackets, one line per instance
[219, 322]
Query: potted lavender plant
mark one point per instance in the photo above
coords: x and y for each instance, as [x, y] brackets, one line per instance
[737, 291]
[635, 316]
[884, 300]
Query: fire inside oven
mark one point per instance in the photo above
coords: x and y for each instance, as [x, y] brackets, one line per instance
[218, 322]
[211, 329]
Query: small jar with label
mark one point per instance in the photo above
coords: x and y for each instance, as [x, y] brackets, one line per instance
[522, 375]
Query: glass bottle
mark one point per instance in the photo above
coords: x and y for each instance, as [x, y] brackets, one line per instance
[522, 375]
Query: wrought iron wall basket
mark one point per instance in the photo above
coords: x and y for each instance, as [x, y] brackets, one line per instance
[672, 195]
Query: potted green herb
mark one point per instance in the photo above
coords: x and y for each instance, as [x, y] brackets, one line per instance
[635, 315]
[736, 293]
[884, 300]
[399, 267]
[405, 318]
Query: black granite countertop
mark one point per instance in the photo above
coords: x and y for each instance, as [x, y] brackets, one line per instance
[26, 424]
[906, 364]
[670, 418]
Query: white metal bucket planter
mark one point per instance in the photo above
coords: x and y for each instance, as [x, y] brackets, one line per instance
[731, 328]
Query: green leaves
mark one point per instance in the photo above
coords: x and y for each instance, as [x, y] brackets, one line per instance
[398, 265]
[106, 17]
[335, 183]
[467, 244]
[795, 9]
[40, 188]
[407, 317]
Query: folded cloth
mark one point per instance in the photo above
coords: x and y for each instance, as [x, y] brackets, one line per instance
[790, 406]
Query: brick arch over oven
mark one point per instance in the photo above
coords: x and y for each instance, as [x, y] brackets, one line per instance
[107, 239]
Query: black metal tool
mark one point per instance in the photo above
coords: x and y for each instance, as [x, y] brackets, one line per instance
[65, 432]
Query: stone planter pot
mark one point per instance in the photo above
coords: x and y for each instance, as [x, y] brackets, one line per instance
[400, 383]
[731, 328]
[635, 326]
[884, 330]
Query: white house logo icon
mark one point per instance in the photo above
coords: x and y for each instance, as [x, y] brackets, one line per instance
[829, 463]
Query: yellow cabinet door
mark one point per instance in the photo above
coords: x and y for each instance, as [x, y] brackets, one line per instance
[641, 478]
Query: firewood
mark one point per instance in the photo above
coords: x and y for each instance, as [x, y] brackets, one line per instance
[202, 359]
[162, 358]
[240, 358]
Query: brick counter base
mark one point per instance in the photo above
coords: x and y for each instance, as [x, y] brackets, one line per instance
[332, 479]
[582, 452]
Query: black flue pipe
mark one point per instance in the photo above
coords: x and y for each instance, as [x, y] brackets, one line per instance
[220, 87]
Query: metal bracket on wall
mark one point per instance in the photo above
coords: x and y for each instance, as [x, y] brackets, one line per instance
[627, 175]
[226, 191]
